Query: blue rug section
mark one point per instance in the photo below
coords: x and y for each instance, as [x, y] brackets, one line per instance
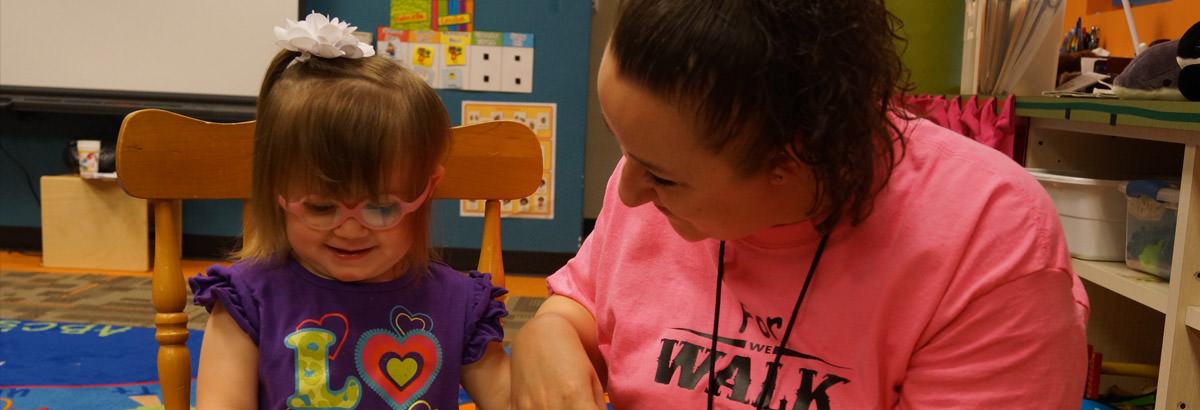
[69, 366]
[74, 354]
[144, 396]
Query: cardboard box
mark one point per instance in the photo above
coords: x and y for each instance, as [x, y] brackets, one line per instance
[93, 224]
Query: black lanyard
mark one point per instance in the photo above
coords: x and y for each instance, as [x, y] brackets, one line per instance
[768, 388]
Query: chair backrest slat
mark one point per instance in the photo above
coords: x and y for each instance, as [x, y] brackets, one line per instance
[493, 160]
[164, 155]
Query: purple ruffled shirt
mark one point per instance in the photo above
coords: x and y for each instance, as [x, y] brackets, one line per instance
[330, 344]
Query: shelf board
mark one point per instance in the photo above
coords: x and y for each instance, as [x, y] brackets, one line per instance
[1178, 115]
[1115, 276]
[1193, 317]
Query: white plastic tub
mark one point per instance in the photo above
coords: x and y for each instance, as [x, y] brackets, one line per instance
[1092, 211]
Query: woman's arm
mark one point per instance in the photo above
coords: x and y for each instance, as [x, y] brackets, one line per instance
[556, 359]
[487, 380]
[1025, 338]
[228, 374]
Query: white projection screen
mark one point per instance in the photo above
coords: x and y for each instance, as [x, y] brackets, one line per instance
[207, 48]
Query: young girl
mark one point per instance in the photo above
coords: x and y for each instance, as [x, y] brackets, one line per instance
[334, 302]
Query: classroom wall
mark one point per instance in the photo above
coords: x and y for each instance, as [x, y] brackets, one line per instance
[602, 151]
[934, 51]
[31, 143]
[1167, 20]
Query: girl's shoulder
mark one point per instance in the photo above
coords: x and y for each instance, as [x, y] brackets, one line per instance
[473, 283]
[256, 268]
[245, 273]
[447, 275]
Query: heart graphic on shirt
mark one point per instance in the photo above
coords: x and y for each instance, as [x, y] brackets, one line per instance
[337, 323]
[400, 368]
[404, 321]
[402, 371]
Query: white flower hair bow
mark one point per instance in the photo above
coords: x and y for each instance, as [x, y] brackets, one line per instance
[317, 36]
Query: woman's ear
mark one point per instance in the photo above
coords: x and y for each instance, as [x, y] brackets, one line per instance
[786, 167]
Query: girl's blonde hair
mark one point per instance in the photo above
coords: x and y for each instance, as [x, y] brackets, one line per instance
[342, 128]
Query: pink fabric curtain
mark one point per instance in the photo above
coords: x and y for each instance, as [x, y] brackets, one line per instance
[982, 122]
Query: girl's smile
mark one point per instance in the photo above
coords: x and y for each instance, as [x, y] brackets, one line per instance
[345, 254]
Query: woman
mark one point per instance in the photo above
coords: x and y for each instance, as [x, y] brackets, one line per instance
[779, 235]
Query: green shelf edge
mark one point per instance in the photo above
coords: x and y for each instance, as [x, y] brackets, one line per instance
[1182, 115]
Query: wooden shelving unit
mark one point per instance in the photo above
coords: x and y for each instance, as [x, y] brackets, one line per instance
[1115, 276]
[1147, 137]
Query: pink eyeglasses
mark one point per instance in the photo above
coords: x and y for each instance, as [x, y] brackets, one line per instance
[384, 213]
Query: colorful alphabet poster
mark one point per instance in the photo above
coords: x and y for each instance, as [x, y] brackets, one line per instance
[540, 117]
[436, 15]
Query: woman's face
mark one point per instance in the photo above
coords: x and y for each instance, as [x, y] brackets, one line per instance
[699, 192]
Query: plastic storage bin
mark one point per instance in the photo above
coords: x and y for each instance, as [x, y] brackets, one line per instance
[1092, 211]
[1152, 208]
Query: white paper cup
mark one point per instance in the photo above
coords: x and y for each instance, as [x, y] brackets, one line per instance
[89, 157]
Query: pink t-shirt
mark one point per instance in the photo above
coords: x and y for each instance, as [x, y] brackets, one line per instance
[956, 292]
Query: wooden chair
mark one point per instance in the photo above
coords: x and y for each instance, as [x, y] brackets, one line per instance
[166, 157]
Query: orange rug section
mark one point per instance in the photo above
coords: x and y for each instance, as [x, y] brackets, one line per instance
[31, 262]
[518, 285]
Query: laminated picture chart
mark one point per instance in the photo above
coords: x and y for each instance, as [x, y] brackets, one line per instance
[462, 60]
[540, 117]
[436, 15]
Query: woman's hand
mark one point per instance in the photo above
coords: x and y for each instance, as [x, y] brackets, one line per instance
[556, 363]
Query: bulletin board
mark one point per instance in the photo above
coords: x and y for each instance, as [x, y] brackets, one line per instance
[560, 77]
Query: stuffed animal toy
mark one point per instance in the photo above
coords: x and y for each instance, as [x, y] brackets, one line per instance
[1165, 71]
[1189, 62]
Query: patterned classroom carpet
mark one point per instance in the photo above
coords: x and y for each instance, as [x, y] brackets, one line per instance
[66, 340]
[83, 298]
[125, 301]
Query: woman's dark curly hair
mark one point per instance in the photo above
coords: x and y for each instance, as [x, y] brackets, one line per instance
[811, 79]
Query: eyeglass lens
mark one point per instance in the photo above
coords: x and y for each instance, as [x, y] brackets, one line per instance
[326, 214]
